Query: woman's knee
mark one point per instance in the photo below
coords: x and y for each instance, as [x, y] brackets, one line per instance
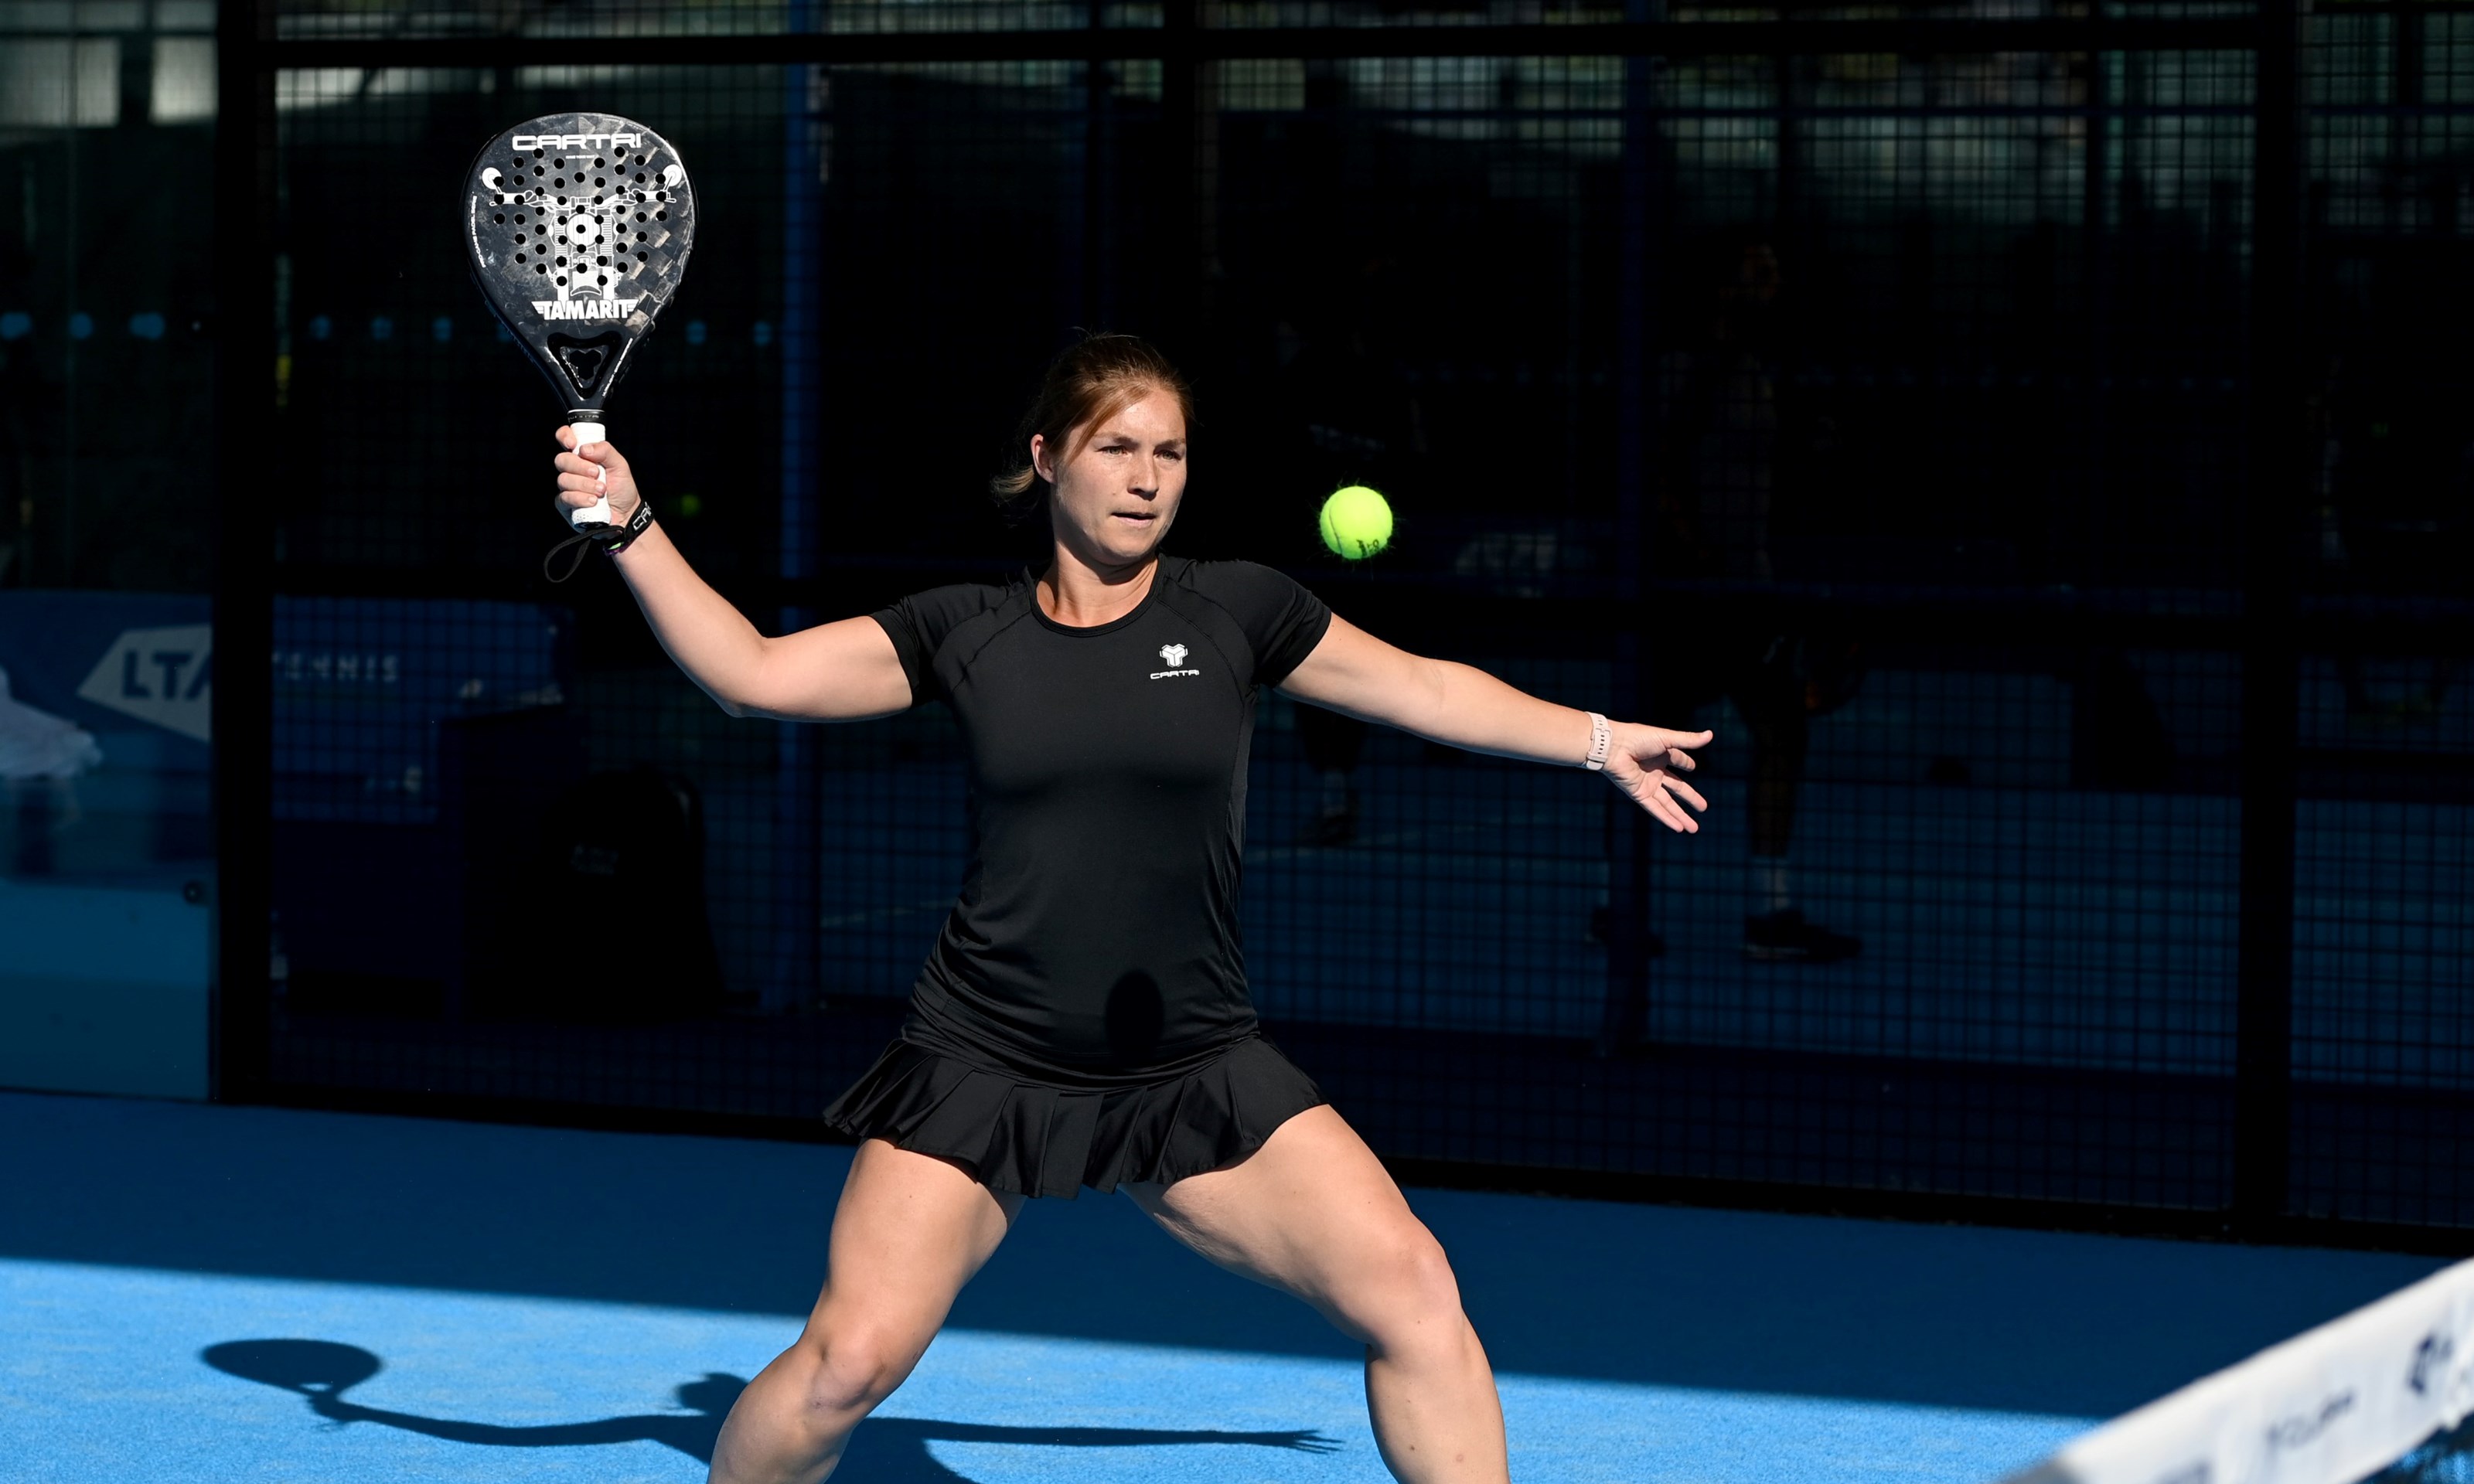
[852, 1367]
[1406, 1296]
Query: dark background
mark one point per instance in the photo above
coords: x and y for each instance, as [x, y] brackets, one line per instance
[2119, 480]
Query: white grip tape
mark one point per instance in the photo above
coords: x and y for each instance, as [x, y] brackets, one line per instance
[592, 515]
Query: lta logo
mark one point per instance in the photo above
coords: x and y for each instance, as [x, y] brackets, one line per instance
[162, 676]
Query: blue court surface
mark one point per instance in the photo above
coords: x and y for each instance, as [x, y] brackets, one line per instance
[204, 1293]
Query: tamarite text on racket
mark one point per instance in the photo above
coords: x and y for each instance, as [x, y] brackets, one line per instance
[577, 227]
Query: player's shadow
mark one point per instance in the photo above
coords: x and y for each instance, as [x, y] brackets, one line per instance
[885, 1450]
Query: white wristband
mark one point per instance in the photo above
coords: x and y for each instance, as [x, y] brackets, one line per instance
[1601, 737]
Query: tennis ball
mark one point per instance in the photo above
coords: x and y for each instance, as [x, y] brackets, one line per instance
[1356, 522]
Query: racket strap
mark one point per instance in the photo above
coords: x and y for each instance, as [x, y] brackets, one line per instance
[610, 539]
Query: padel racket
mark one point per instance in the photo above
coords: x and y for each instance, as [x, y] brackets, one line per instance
[577, 227]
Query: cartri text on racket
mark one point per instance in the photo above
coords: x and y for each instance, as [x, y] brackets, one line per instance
[574, 142]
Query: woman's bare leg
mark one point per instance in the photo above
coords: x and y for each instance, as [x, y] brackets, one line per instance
[1314, 1213]
[909, 1232]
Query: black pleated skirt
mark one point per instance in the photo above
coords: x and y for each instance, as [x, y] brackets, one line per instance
[1042, 1138]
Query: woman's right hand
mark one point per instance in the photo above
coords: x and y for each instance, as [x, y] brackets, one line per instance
[588, 473]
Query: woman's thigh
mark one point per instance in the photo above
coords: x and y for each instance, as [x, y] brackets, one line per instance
[1314, 1213]
[910, 1230]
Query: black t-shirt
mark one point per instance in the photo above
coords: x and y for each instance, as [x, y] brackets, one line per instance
[1097, 930]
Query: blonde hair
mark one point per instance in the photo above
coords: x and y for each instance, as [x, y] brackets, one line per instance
[1091, 381]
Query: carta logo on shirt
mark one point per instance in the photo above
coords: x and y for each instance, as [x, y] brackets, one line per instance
[1174, 654]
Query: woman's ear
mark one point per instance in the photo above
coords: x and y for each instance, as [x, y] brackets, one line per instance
[1039, 462]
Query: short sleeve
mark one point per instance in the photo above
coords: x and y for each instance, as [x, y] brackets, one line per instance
[1281, 620]
[919, 624]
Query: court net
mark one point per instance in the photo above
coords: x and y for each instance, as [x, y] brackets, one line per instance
[2378, 1396]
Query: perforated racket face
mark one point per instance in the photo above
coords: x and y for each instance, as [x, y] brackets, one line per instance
[577, 226]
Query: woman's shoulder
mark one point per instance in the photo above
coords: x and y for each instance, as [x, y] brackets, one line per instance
[935, 631]
[936, 612]
[972, 595]
[1224, 579]
[1281, 621]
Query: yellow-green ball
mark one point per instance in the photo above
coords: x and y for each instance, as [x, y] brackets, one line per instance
[1356, 522]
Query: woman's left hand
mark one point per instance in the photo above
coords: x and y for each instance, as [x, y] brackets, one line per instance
[1648, 764]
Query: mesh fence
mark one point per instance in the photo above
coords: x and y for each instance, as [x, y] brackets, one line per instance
[1892, 411]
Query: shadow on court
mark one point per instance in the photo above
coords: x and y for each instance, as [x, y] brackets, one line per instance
[1721, 1300]
[885, 1450]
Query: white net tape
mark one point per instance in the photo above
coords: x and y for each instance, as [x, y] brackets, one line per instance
[2331, 1406]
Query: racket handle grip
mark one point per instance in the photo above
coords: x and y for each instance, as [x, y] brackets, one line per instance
[592, 515]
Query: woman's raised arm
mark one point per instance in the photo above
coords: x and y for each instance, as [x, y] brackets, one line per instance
[835, 672]
[1354, 672]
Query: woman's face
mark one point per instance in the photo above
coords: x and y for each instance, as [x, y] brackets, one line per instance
[1114, 492]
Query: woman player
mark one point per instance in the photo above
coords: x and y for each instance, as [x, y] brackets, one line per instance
[1083, 1019]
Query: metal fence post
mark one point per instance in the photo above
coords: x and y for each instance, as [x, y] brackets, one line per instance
[1628, 844]
[2271, 691]
[242, 720]
[790, 976]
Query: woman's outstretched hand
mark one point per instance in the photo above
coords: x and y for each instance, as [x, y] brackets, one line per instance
[1648, 763]
[588, 473]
